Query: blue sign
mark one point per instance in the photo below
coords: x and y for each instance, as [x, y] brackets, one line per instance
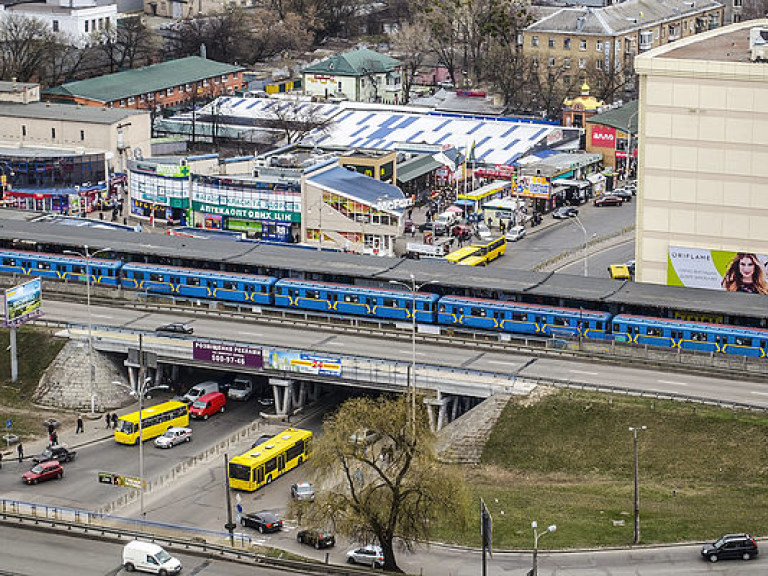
[239, 508]
[8, 423]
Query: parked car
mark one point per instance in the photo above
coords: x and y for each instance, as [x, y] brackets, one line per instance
[262, 521]
[608, 200]
[317, 538]
[731, 546]
[632, 187]
[176, 328]
[369, 555]
[623, 193]
[303, 491]
[409, 226]
[58, 452]
[565, 212]
[208, 405]
[149, 557]
[515, 233]
[44, 471]
[437, 228]
[173, 436]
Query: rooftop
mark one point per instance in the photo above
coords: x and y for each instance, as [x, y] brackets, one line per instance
[354, 63]
[623, 118]
[67, 112]
[729, 44]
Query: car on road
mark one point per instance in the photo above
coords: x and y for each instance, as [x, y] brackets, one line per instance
[303, 491]
[623, 193]
[262, 521]
[44, 471]
[208, 405]
[173, 436]
[317, 538]
[630, 264]
[369, 555]
[608, 200]
[58, 452]
[731, 546]
[437, 228]
[175, 328]
[515, 233]
[565, 212]
[409, 226]
[241, 389]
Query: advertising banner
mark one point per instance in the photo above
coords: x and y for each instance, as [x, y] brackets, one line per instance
[533, 186]
[717, 270]
[227, 354]
[315, 364]
[603, 137]
[23, 302]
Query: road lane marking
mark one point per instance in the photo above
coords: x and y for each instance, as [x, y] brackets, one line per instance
[674, 383]
[503, 363]
[583, 372]
[101, 316]
[759, 393]
[411, 352]
[251, 333]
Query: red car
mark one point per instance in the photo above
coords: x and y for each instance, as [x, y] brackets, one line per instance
[608, 200]
[44, 471]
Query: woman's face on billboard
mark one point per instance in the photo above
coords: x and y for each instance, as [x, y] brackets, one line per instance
[746, 268]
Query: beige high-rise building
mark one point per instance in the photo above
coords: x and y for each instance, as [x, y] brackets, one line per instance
[703, 148]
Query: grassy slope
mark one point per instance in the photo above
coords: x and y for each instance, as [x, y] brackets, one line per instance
[569, 461]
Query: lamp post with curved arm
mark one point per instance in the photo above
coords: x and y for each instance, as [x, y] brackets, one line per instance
[536, 537]
[86, 255]
[413, 288]
[634, 430]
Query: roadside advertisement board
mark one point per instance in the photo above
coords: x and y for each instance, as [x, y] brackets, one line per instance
[315, 364]
[717, 270]
[23, 302]
[227, 354]
[603, 137]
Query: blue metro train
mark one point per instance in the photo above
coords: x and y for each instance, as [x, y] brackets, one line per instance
[392, 304]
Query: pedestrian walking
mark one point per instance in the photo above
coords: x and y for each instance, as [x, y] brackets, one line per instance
[114, 420]
[107, 420]
[54, 439]
[51, 429]
[79, 428]
[1, 460]
[20, 450]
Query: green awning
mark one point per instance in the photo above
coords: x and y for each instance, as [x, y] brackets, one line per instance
[416, 167]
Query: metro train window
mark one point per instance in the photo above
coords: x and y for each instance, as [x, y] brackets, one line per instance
[654, 331]
[441, 309]
[390, 303]
[9, 262]
[43, 265]
[698, 336]
[314, 294]
[155, 277]
[742, 341]
[230, 285]
[598, 325]
[191, 281]
[498, 315]
[293, 292]
[353, 298]
[558, 321]
[519, 317]
[478, 312]
[76, 269]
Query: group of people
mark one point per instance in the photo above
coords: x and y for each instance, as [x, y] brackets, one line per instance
[110, 420]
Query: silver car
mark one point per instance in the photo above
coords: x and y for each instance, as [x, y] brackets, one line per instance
[369, 555]
[174, 436]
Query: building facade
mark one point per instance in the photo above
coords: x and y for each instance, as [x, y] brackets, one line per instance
[76, 20]
[703, 163]
[598, 45]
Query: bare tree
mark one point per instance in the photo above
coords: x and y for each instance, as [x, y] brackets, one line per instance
[66, 63]
[753, 9]
[270, 35]
[295, 118]
[443, 39]
[412, 50]
[25, 45]
[223, 33]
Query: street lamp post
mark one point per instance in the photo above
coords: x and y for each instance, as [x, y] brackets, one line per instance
[586, 251]
[634, 431]
[413, 287]
[86, 255]
[536, 536]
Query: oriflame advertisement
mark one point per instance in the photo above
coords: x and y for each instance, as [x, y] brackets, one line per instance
[718, 270]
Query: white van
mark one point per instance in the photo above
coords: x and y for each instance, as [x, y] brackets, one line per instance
[148, 557]
[200, 390]
[447, 219]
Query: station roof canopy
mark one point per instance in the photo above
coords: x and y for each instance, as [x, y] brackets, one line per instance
[355, 185]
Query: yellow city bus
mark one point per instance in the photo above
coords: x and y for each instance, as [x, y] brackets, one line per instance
[457, 256]
[485, 252]
[269, 459]
[155, 420]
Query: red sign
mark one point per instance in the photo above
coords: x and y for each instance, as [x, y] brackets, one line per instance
[499, 171]
[603, 137]
[470, 94]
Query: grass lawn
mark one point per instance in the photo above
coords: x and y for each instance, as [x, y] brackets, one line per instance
[36, 350]
[568, 460]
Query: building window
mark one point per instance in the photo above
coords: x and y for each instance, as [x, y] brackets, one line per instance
[567, 44]
[82, 134]
[106, 21]
[143, 98]
[551, 61]
[646, 40]
[551, 43]
[566, 79]
[582, 44]
[535, 61]
[53, 133]
[86, 26]
[224, 78]
[582, 63]
[599, 45]
[566, 62]
[188, 87]
[169, 91]
[738, 3]
[535, 41]
[599, 64]
[23, 130]
[55, 25]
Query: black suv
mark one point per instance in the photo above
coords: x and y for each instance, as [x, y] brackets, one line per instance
[56, 452]
[317, 538]
[730, 546]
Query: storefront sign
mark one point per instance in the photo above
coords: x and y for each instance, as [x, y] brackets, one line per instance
[603, 137]
[227, 354]
[498, 172]
[250, 214]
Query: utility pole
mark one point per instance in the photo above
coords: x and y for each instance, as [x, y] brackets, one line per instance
[229, 526]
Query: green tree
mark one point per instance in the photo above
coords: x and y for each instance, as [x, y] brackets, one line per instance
[388, 488]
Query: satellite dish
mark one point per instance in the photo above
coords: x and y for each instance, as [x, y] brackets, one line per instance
[138, 154]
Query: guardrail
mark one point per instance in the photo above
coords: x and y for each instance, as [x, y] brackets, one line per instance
[237, 547]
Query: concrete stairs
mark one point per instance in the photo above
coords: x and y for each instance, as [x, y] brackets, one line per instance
[462, 441]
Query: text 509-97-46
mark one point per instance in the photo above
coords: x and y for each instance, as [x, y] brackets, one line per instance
[225, 359]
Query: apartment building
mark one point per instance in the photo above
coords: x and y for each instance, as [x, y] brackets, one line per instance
[598, 45]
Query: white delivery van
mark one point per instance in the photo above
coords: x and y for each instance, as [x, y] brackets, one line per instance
[200, 390]
[149, 557]
[447, 219]
[241, 388]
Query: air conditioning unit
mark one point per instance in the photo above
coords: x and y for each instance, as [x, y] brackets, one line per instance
[758, 44]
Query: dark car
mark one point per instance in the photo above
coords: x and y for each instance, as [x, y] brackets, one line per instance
[623, 193]
[565, 212]
[608, 200]
[437, 228]
[317, 538]
[44, 471]
[262, 521]
[60, 453]
[176, 328]
[409, 226]
[731, 546]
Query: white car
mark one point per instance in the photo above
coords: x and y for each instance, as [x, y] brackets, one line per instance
[515, 233]
[174, 436]
[369, 555]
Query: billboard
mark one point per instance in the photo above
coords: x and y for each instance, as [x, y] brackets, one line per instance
[227, 354]
[23, 302]
[315, 364]
[603, 137]
[717, 270]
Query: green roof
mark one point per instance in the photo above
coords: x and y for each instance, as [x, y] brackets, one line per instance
[354, 63]
[412, 169]
[157, 77]
[623, 118]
